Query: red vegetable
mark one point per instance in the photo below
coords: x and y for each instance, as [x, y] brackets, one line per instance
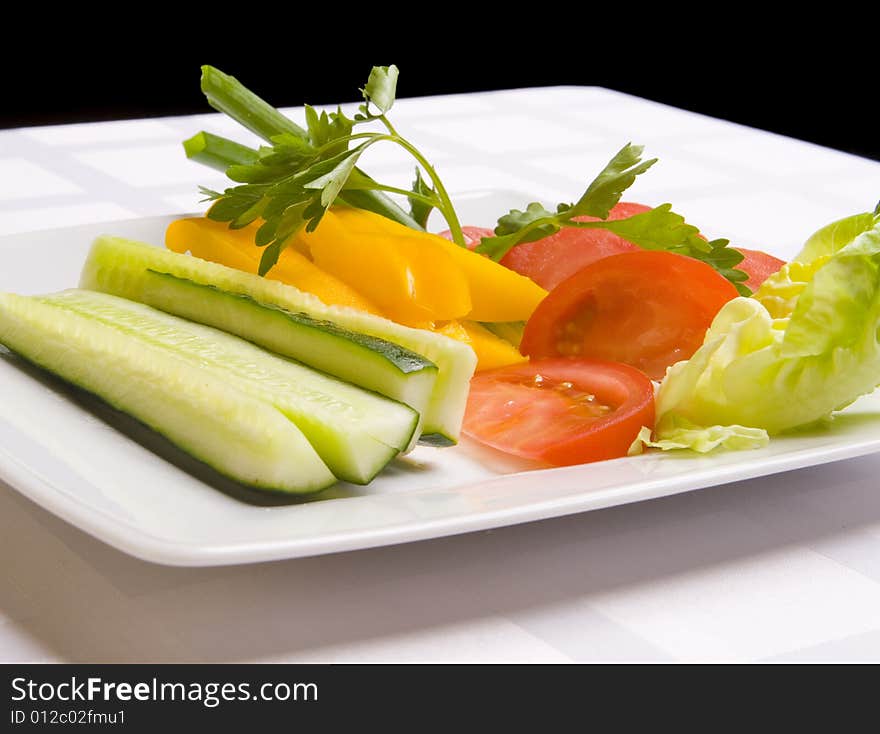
[472, 235]
[551, 260]
[647, 309]
[759, 265]
[560, 411]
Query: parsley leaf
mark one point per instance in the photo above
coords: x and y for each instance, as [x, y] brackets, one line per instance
[532, 218]
[270, 257]
[291, 182]
[419, 209]
[606, 189]
[325, 129]
[662, 229]
[518, 226]
[330, 184]
[292, 148]
[599, 198]
[657, 229]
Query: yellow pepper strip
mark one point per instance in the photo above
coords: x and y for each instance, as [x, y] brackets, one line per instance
[492, 351]
[497, 293]
[411, 283]
[214, 241]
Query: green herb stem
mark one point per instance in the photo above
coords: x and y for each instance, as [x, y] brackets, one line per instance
[446, 207]
[429, 200]
[376, 202]
[443, 203]
[228, 95]
[388, 126]
[218, 152]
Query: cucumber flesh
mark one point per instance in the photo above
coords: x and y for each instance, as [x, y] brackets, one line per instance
[369, 362]
[354, 431]
[121, 267]
[237, 434]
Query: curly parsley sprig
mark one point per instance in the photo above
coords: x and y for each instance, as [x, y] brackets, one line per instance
[657, 229]
[291, 183]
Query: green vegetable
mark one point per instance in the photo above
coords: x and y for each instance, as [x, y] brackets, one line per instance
[291, 183]
[226, 94]
[510, 331]
[806, 345]
[366, 361]
[218, 152]
[122, 268]
[657, 229]
[240, 435]
[355, 432]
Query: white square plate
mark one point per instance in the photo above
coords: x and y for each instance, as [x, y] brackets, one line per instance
[113, 478]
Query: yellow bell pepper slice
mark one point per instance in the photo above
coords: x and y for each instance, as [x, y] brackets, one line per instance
[496, 292]
[214, 241]
[492, 351]
[411, 283]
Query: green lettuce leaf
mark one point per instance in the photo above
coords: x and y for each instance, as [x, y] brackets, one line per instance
[835, 236]
[679, 433]
[807, 344]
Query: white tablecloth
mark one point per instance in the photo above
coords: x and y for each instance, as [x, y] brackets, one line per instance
[785, 567]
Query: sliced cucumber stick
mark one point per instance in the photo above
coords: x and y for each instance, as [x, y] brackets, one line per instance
[122, 267]
[239, 435]
[355, 432]
[366, 361]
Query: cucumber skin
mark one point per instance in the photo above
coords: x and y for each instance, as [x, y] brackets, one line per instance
[510, 331]
[119, 266]
[437, 440]
[240, 437]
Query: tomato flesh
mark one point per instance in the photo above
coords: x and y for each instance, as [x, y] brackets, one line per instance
[472, 235]
[560, 411]
[646, 309]
[551, 260]
[759, 266]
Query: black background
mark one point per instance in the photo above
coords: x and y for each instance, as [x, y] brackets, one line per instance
[811, 82]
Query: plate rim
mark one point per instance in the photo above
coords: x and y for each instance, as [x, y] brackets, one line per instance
[133, 540]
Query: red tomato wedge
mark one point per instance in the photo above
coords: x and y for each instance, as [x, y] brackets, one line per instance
[560, 411]
[551, 260]
[759, 265]
[647, 309]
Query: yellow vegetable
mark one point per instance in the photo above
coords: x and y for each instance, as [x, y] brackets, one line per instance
[411, 283]
[371, 263]
[492, 351]
[496, 292]
[214, 241]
